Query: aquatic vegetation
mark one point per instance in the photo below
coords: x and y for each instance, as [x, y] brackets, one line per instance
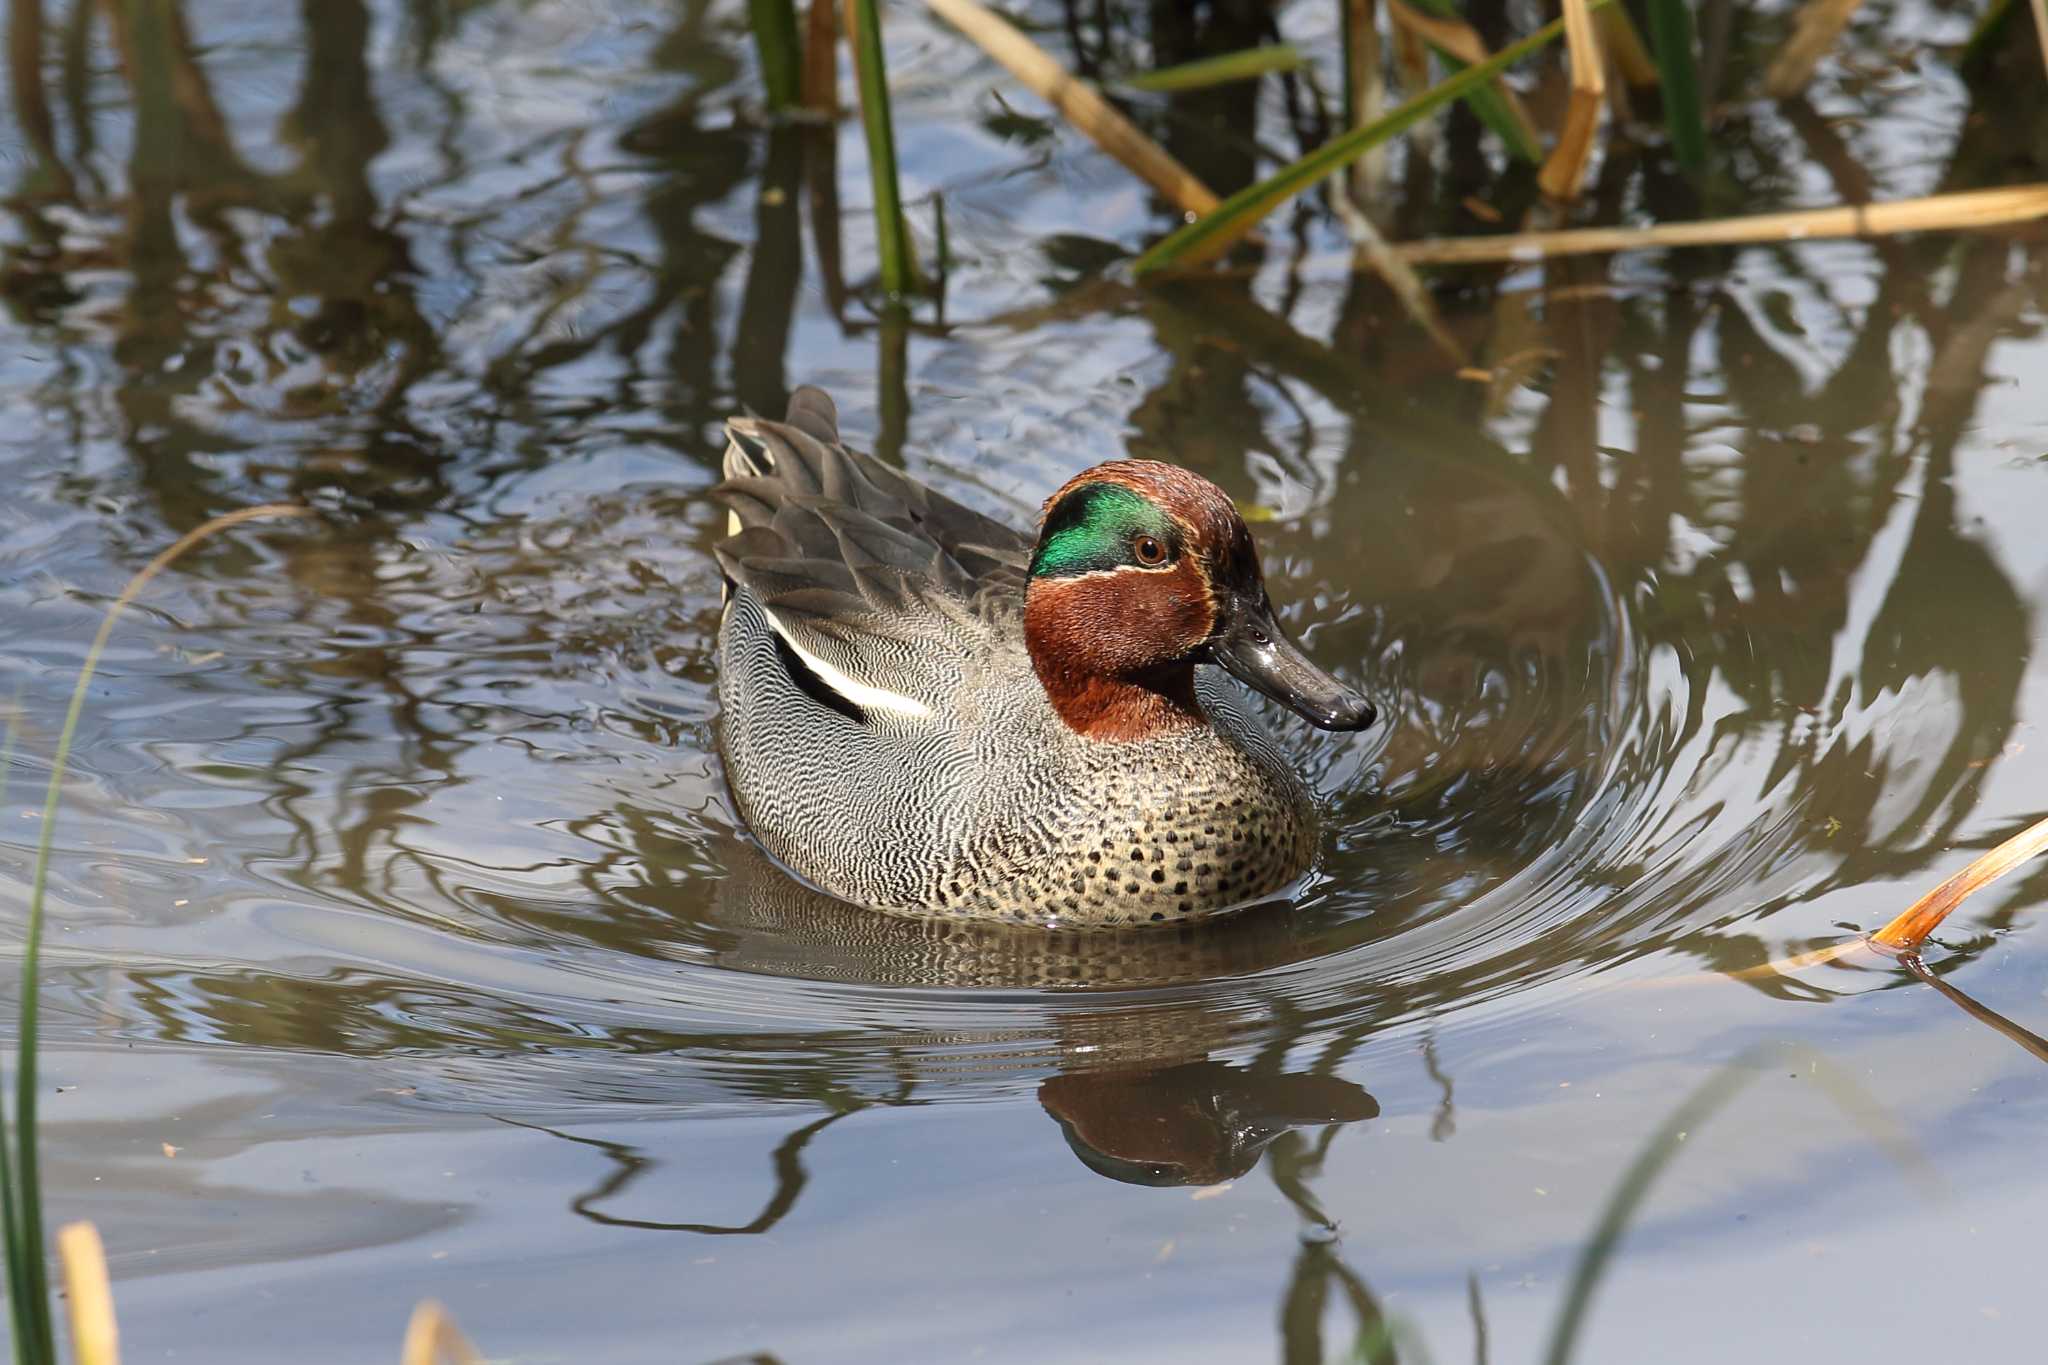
[1670, 66]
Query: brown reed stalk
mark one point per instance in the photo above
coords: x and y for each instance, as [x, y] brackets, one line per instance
[1078, 103]
[1935, 213]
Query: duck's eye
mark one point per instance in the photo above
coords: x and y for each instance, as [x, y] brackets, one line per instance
[1148, 550]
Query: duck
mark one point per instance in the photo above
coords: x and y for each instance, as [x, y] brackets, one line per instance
[926, 712]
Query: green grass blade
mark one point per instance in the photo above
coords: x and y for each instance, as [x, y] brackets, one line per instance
[1674, 45]
[774, 25]
[20, 1317]
[32, 1297]
[1217, 231]
[1497, 114]
[1247, 65]
[892, 239]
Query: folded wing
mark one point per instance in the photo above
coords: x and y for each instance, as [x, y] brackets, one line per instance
[882, 588]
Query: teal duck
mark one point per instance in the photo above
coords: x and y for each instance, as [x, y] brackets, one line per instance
[926, 713]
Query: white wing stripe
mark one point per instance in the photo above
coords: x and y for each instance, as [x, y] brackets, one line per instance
[860, 694]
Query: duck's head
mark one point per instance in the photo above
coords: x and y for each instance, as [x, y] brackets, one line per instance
[1142, 571]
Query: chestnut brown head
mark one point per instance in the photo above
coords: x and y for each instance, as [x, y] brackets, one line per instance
[1142, 571]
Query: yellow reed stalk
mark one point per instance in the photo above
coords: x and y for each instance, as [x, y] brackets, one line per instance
[1564, 171]
[432, 1337]
[1631, 59]
[1819, 24]
[1078, 103]
[1365, 87]
[1935, 213]
[1909, 930]
[95, 1339]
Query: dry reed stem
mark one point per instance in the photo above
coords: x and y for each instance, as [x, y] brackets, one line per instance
[1564, 171]
[821, 59]
[1078, 103]
[1631, 59]
[1935, 213]
[1819, 24]
[2041, 28]
[1906, 933]
[1411, 63]
[432, 1337]
[1798, 962]
[1367, 89]
[1462, 41]
[95, 1339]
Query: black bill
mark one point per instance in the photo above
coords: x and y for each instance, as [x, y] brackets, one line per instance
[1252, 647]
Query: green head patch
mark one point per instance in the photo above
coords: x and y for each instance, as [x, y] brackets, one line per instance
[1096, 527]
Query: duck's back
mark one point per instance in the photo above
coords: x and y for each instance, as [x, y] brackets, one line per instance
[886, 737]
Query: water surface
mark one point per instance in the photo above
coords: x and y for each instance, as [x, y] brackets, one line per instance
[403, 940]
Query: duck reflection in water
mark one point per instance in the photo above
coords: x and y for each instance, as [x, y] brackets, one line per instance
[1195, 1123]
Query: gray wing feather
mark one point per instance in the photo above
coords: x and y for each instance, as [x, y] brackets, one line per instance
[858, 566]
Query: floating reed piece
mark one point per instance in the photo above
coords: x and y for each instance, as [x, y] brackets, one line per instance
[1909, 930]
[1904, 935]
[1935, 213]
[95, 1337]
[1078, 103]
[432, 1338]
